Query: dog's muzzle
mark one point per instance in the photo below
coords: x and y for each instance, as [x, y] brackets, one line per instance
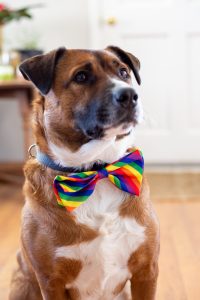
[114, 108]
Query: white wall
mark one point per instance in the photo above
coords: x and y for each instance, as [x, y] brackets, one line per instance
[57, 23]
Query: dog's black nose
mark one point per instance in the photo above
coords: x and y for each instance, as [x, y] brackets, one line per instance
[126, 96]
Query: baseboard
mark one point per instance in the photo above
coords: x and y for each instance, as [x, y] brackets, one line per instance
[174, 186]
[172, 168]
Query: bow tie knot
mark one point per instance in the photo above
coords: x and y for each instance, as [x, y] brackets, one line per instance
[126, 174]
[103, 173]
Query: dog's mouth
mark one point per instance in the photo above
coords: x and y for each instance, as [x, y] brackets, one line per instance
[94, 128]
[99, 132]
[95, 132]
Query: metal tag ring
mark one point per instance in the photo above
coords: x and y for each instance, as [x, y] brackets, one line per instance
[31, 155]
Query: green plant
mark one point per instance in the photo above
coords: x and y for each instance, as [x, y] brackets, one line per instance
[7, 14]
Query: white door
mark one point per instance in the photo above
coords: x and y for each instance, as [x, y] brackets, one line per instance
[165, 36]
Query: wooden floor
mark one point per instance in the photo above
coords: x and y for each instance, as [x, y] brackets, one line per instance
[179, 277]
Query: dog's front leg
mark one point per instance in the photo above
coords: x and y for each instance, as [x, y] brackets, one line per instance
[49, 294]
[143, 284]
[143, 290]
[52, 289]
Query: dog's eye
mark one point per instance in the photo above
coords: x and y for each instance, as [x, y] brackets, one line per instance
[81, 77]
[123, 73]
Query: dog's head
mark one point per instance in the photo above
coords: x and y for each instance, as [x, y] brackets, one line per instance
[87, 95]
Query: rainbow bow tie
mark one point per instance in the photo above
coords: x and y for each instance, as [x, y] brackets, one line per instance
[126, 173]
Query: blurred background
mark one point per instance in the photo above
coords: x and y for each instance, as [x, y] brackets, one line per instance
[165, 36]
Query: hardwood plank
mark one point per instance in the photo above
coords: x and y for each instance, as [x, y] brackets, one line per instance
[10, 210]
[180, 245]
[188, 256]
[6, 274]
[170, 282]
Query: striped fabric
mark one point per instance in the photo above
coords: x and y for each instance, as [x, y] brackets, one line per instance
[73, 190]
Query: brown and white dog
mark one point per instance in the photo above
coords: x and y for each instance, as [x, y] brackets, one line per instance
[86, 114]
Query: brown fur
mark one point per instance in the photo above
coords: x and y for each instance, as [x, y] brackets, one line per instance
[45, 225]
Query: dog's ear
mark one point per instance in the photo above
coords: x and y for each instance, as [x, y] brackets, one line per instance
[40, 69]
[129, 59]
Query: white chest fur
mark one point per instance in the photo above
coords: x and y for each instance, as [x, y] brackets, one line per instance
[105, 258]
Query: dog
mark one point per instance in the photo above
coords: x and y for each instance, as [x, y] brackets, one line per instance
[84, 117]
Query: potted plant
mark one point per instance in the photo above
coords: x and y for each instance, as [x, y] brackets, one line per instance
[7, 15]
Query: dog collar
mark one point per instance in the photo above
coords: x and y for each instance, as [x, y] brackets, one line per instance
[48, 162]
